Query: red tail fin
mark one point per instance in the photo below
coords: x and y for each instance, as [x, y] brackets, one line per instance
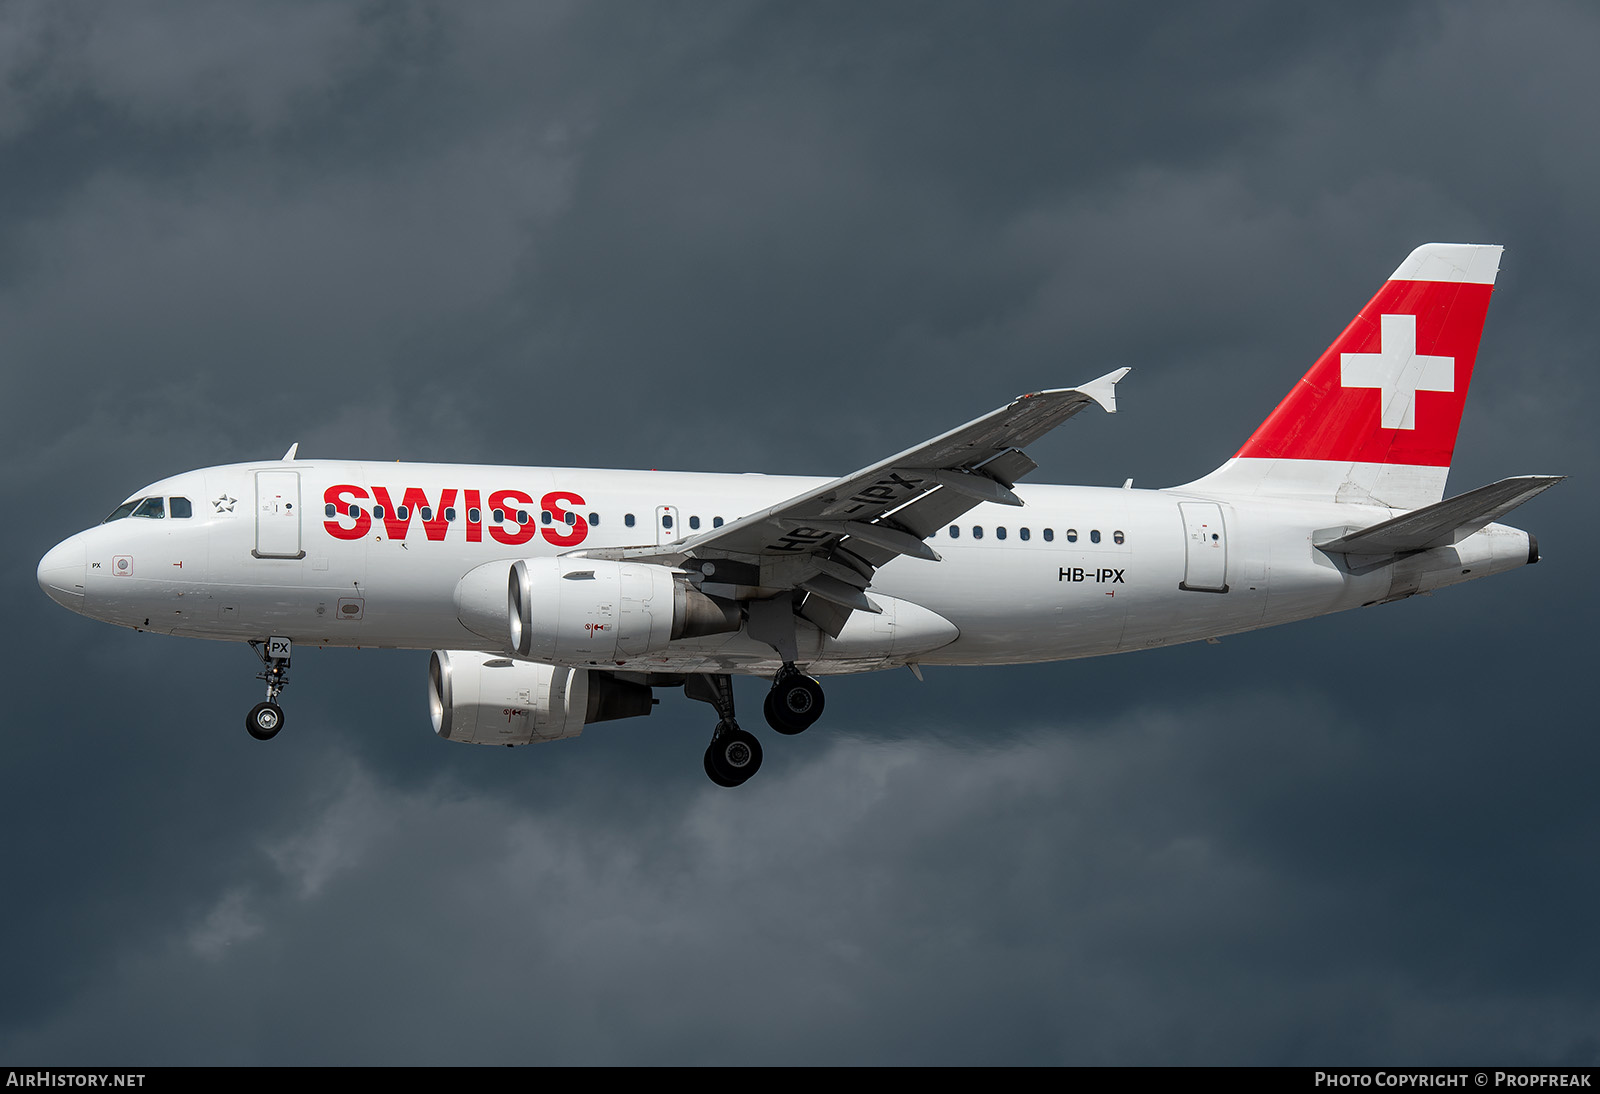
[1375, 419]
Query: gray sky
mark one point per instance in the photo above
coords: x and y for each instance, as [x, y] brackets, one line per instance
[791, 238]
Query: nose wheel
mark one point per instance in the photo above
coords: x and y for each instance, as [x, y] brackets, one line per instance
[266, 719]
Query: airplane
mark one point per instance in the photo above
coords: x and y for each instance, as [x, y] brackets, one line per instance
[555, 598]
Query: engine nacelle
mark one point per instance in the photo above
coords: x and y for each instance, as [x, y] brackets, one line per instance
[581, 611]
[482, 699]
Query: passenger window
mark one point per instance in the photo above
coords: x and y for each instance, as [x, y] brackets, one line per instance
[977, 531]
[378, 512]
[154, 508]
[716, 522]
[499, 515]
[627, 520]
[1116, 537]
[450, 513]
[1094, 535]
[1049, 535]
[179, 508]
[475, 516]
[353, 512]
[522, 516]
[544, 516]
[1000, 533]
[1022, 533]
[666, 521]
[1072, 535]
[955, 532]
[594, 520]
[330, 510]
[571, 519]
[426, 512]
[694, 523]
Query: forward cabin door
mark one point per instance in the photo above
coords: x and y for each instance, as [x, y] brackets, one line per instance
[278, 515]
[1205, 540]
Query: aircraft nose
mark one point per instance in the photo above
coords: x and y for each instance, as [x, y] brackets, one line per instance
[61, 572]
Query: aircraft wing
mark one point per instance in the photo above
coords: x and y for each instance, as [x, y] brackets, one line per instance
[829, 541]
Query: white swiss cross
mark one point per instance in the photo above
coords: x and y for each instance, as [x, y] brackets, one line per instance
[1398, 371]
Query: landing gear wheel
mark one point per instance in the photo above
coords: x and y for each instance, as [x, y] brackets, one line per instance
[733, 756]
[264, 721]
[711, 769]
[794, 703]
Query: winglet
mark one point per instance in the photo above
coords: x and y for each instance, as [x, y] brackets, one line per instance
[1104, 390]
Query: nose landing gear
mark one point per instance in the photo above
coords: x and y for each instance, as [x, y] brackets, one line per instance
[266, 719]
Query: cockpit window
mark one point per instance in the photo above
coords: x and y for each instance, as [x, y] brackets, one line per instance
[122, 510]
[151, 507]
[179, 508]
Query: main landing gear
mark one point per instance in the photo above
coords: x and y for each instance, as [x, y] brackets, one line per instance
[265, 719]
[793, 705]
[733, 754]
[795, 701]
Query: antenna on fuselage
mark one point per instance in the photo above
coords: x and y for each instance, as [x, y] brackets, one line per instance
[289, 455]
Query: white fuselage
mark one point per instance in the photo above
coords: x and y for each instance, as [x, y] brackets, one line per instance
[1075, 572]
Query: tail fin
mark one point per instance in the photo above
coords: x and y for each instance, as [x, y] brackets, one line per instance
[1375, 419]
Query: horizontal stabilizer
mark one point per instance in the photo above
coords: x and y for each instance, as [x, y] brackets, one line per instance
[1444, 522]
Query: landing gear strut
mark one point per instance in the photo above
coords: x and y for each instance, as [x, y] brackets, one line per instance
[795, 701]
[265, 719]
[733, 755]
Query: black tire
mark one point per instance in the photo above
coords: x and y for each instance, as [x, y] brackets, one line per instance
[794, 704]
[733, 757]
[264, 721]
[711, 767]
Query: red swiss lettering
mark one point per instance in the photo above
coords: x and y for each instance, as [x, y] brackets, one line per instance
[415, 500]
[342, 497]
[561, 533]
[507, 530]
[392, 523]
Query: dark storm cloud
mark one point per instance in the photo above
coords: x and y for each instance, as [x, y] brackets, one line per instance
[783, 238]
[846, 913]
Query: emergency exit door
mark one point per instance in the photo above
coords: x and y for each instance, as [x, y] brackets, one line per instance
[667, 528]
